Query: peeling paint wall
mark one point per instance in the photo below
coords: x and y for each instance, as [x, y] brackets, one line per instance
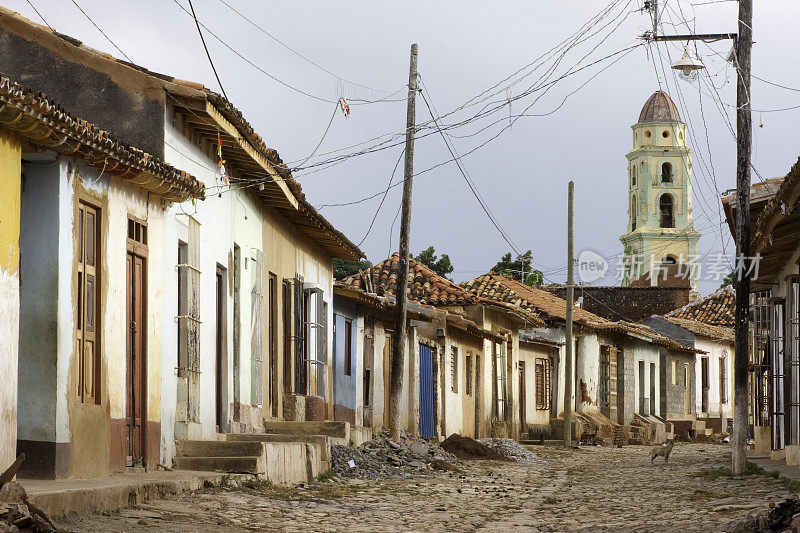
[70, 437]
[716, 350]
[9, 292]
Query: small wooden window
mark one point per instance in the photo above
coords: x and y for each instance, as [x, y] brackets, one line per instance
[348, 347]
[454, 369]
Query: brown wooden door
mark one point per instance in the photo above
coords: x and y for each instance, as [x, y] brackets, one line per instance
[219, 388]
[522, 393]
[86, 325]
[705, 384]
[135, 360]
[387, 379]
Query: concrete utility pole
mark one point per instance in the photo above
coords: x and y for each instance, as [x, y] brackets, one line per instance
[744, 45]
[399, 348]
[568, 335]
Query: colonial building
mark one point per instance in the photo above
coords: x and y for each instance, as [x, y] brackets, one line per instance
[774, 384]
[616, 369]
[660, 240]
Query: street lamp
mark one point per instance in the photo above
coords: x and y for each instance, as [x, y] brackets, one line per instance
[688, 65]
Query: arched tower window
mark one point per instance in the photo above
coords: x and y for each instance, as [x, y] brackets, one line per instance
[633, 175]
[666, 173]
[665, 208]
[633, 212]
[670, 260]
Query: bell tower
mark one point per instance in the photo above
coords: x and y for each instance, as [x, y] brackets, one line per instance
[660, 243]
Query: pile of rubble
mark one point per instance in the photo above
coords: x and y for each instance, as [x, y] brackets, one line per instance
[785, 516]
[16, 512]
[384, 457]
[511, 450]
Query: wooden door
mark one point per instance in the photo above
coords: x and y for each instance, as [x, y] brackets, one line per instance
[522, 398]
[387, 379]
[704, 382]
[426, 386]
[135, 366]
[221, 367]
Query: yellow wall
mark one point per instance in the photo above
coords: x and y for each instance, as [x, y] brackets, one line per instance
[10, 172]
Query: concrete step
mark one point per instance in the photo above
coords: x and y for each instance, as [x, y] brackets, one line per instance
[321, 440]
[225, 448]
[699, 426]
[238, 465]
[329, 428]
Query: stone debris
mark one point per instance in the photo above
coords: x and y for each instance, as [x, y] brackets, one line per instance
[18, 514]
[784, 516]
[469, 448]
[383, 457]
[511, 450]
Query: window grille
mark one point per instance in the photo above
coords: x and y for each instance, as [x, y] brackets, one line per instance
[604, 385]
[454, 369]
[778, 374]
[793, 359]
[468, 374]
[760, 391]
[543, 376]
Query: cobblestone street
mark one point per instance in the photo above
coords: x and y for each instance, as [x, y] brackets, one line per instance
[594, 488]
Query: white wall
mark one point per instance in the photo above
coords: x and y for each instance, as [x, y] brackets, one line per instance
[215, 247]
[716, 350]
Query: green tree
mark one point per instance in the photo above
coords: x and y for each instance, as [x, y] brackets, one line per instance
[520, 269]
[347, 267]
[440, 265]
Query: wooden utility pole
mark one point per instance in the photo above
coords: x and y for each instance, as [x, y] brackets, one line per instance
[744, 45]
[568, 335]
[399, 347]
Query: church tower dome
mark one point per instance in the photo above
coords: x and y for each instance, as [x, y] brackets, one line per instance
[660, 239]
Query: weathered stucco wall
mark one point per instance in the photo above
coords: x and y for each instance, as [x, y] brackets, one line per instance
[62, 435]
[10, 190]
[717, 352]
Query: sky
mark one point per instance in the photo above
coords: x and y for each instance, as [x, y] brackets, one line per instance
[360, 50]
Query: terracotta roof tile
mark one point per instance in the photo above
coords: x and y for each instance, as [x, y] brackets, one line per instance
[424, 285]
[717, 309]
[502, 289]
[704, 330]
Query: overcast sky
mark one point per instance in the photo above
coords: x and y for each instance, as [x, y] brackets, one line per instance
[466, 47]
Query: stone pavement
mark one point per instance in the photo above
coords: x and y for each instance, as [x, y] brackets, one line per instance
[591, 489]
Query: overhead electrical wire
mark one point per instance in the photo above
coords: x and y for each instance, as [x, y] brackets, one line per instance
[385, 193]
[205, 47]
[301, 56]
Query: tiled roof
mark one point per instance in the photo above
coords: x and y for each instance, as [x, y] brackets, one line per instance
[136, 78]
[44, 122]
[717, 309]
[549, 306]
[704, 330]
[659, 108]
[424, 285]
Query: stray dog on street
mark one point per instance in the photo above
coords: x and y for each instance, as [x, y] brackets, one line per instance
[662, 450]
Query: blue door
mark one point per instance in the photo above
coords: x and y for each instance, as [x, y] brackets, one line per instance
[425, 392]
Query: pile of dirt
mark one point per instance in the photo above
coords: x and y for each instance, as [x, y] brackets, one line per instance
[785, 516]
[383, 457]
[510, 450]
[467, 448]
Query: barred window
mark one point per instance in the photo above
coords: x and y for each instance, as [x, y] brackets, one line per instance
[543, 370]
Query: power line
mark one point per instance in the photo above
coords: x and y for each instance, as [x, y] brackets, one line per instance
[208, 54]
[466, 178]
[385, 193]
[298, 54]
